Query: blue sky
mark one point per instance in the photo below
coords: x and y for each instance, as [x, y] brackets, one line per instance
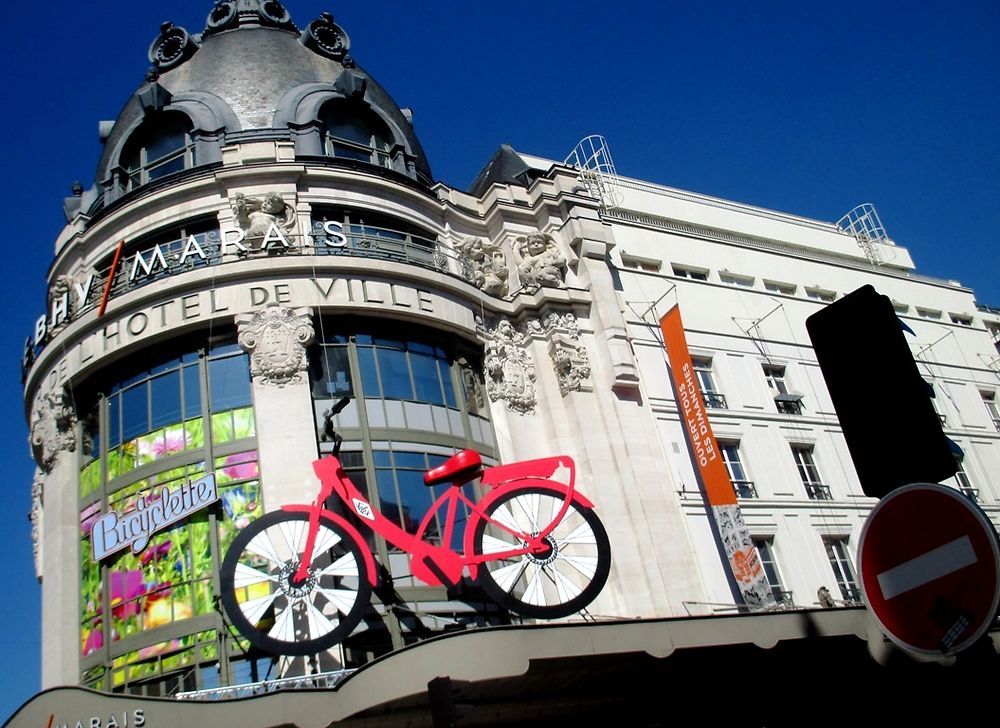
[800, 107]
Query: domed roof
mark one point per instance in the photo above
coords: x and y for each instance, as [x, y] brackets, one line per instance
[249, 71]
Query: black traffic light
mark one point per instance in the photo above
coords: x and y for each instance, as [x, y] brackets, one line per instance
[892, 430]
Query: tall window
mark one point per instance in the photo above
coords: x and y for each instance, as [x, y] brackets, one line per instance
[706, 382]
[414, 401]
[765, 552]
[843, 571]
[809, 472]
[175, 421]
[352, 132]
[743, 486]
[935, 403]
[990, 401]
[963, 482]
[786, 402]
[162, 145]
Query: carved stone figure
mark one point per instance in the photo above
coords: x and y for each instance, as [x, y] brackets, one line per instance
[553, 321]
[540, 262]
[510, 375]
[266, 220]
[569, 356]
[52, 425]
[570, 361]
[61, 291]
[36, 521]
[487, 266]
[276, 338]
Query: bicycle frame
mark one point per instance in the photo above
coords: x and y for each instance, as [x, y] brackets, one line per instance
[439, 564]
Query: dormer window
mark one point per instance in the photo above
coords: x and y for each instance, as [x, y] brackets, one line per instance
[355, 133]
[161, 146]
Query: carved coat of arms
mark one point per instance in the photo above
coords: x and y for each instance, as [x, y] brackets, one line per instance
[276, 338]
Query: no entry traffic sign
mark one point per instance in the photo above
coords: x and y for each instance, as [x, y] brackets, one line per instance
[930, 568]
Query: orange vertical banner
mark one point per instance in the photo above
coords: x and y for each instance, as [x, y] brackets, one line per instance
[714, 476]
[740, 553]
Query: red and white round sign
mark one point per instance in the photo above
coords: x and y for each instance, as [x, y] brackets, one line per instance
[930, 568]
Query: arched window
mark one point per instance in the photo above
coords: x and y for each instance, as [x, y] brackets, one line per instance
[350, 132]
[160, 146]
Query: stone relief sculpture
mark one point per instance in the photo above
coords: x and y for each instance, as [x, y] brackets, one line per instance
[52, 428]
[510, 374]
[36, 521]
[264, 219]
[569, 357]
[540, 264]
[276, 338]
[486, 267]
[62, 288]
[571, 363]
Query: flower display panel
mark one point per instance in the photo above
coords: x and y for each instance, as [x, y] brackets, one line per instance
[171, 579]
[162, 657]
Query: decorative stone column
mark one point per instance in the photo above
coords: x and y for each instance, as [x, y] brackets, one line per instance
[589, 242]
[276, 338]
[56, 534]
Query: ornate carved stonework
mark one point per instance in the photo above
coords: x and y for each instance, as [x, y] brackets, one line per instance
[540, 264]
[571, 363]
[510, 374]
[276, 338]
[52, 425]
[171, 47]
[61, 291]
[484, 265]
[36, 521]
[569, 357]
[267, 221]
[327, 38]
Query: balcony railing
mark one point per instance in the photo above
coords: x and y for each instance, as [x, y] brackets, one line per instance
[323, 680]
[851, 594]
[162, 258]
[818, 491]
[782, 598]
[788, 406]
[745, 489]
[715, 400]
[971, 493]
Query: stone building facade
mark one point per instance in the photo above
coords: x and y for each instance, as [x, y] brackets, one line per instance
[257, 246]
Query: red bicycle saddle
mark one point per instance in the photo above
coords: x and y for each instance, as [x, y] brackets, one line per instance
[461, 467]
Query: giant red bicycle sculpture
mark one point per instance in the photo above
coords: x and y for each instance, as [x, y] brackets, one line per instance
[298, 580]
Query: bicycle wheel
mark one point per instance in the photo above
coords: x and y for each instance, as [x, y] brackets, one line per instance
[278, 615]
[557, 583]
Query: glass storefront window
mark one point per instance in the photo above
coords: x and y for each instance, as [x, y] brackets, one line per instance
[159, 428]
[409, 411]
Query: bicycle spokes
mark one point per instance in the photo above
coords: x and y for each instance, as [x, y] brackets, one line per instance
[277, 610]
[549, 577]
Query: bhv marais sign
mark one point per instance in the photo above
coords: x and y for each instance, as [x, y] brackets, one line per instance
[175, 257]
[115, 531]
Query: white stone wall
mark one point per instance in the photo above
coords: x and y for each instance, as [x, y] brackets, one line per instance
[619, 422]
[740, 328]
